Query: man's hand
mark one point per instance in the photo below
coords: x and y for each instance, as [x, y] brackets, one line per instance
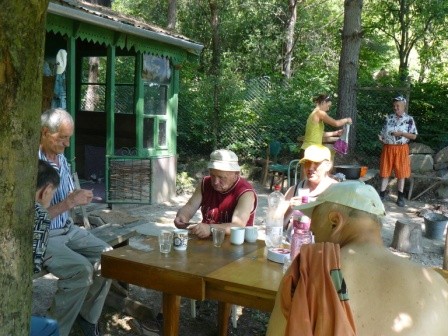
[79, 197]
[296, 200]
[202, 230]
[181, 222]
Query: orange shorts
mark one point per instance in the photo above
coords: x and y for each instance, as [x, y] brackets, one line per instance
[395, 158]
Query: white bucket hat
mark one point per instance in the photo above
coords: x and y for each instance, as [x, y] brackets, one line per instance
[354, 194]
[224, 159]
[61, 61]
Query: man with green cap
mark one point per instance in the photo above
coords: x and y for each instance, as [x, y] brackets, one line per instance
[348, 283]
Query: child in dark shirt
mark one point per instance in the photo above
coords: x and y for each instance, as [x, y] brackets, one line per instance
[47, 182]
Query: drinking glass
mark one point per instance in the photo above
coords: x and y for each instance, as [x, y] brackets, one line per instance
[165, 241]
[218, 236]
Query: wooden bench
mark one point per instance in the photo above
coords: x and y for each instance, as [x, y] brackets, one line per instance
[436, 181]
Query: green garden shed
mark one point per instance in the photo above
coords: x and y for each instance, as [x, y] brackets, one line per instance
[119, 79]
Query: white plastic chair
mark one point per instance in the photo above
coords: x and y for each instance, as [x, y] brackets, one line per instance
[293, 167]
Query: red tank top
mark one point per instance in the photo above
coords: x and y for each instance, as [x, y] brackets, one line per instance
[217, 207]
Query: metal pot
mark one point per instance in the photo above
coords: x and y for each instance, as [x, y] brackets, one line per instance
[351, 172]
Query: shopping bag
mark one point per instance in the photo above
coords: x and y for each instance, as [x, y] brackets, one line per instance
[341, 145]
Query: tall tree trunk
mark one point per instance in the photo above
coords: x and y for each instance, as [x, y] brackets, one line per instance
[289, 38]
[22, 34]
[349, 63]
[403, 68]
[172, 14]
[215, 68]
[92, 98]
[424, 61]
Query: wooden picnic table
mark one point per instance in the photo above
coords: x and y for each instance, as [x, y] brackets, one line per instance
[230, 274]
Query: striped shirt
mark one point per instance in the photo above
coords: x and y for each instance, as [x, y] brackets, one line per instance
[65, 188]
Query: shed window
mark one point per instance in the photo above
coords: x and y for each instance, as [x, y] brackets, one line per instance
[93, 84]
[156, 76]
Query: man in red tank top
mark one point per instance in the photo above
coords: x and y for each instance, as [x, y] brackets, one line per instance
[225, 199]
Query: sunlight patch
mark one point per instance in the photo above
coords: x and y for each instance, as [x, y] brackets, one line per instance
[402, 321]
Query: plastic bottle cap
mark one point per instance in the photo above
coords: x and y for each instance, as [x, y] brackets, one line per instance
[305, 219]
[297, 213]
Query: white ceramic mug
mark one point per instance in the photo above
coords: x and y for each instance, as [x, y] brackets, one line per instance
[180, 239]
[251, 234]
[237, 235]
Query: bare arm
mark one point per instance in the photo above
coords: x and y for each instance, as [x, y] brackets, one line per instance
[188, 210]
[332, 122]
[240, 217]
[77, 197]
[289, 194]
[411, 136]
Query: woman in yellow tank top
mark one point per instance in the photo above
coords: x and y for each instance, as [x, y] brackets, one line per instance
[314, 130]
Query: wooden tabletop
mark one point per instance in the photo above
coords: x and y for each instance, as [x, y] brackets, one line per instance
[178, 272]
[251, 281]
[230, 274]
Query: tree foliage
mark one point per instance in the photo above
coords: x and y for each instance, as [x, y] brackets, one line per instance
[408, 23]
[255, 104]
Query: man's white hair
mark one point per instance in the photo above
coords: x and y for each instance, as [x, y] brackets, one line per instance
[54, 118]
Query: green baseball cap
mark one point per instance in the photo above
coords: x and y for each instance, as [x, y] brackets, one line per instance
[354, 194]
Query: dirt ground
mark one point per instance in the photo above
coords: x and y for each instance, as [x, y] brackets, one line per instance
[249, 321]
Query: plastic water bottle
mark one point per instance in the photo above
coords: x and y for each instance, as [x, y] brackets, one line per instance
[274, 220]
[298, 238]
[301, 223]
[295, 218]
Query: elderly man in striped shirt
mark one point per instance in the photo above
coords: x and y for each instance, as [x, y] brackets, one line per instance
[73, 254]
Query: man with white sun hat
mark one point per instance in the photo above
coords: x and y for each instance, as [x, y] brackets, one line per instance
[348, 283]
[224, 197]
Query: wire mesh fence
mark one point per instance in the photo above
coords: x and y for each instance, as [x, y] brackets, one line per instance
[249, 137]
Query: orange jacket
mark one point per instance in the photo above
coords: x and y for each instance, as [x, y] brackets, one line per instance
[314, 297]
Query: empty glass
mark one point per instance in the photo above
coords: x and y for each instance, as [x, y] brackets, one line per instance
[165, 241]
[218, 236]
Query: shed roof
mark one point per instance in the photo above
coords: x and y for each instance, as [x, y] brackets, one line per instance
[106, 18]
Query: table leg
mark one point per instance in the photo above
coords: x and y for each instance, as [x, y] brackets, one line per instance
[223, 317]
[171, 308]
[411, 187]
